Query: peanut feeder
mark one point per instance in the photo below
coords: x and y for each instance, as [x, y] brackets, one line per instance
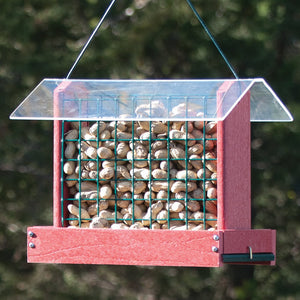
[152, 172]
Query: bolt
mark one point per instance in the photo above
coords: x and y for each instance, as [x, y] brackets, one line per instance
[216, 237]
[31, 245]
[215, 249]
[31, 234]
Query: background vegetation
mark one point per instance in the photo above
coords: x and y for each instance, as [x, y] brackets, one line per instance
[147, 39]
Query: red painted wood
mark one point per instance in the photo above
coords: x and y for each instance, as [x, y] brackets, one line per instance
[56, 173]
[63, 91]
[234, 173]
[220, 96]
[56, 162]
[260, 241]
[124, 247]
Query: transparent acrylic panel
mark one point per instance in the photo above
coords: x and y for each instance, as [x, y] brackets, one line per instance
[265, 105]
[148, 100]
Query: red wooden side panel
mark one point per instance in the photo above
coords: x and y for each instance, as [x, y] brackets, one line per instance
[124, 247]
[234, 163]
[239, 241]
[66, 90]
[260, 241]
[56, 162]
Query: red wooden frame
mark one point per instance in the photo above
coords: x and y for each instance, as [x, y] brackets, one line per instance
[57, 244]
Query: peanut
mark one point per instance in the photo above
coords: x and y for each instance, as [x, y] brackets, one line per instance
[83, 214]
[97, 128]
[70, 182]
[179, 186]
[93, 174]
[211, 207]
[84, 225]
[91, 152]
[71, 134]
[179, 154]
[159, 174]
[89, 138]
[74, 221]
[105, 135]
[99, 223]
[183, 227]
[159, 144]
[195, 149]
[69, 167]
[158, 127]
[105, 191]
[91, 165]
[193, 205]
[70, 150]
[204, 173]
[122, 172]
[104, 153]
[145, 137]
[107, 173]
[162, 217]
[122, 149]
[157, 186]
[211, 127]
[86, 186]
[119, 226]
[211, 193]
[136, 211]
[175, 206]
[199, 124]
[152, 212]
[210, 219]
[188, 174]
[181, 137]
[137, 225]
[161, 154]
[94, 208]
[162, 195]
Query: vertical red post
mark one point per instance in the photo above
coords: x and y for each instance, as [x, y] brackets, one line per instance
[56, 162]
[234, 166]
[66, 90]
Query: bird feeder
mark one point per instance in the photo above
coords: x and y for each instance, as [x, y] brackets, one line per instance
[187, 205]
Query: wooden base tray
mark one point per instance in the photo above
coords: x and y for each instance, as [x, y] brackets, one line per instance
[146, 247]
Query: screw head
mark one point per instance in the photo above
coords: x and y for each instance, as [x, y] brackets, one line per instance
[215, 249]
[31, 245]
[31, 234]
[216, 237]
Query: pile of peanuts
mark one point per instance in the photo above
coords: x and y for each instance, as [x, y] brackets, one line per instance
[141, 174]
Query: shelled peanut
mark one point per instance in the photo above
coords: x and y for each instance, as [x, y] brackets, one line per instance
[142, 175]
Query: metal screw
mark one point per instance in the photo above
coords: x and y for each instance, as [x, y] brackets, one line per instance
[30, 233]
[31, 245]
[216, 237]
[214, 249]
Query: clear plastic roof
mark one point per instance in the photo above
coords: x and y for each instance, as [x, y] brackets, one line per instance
[62, 99]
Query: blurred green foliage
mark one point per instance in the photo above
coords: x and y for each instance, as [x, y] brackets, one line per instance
[147, 39]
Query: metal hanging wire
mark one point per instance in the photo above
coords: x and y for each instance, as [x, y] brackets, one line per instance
[91, 37]
[212, 38]
[194, 11]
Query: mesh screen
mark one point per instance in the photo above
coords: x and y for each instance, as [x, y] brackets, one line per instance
[139, 175]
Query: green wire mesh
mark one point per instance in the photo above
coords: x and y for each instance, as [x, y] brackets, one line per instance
[139, 174]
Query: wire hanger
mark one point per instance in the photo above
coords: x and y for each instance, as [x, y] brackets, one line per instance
[194, 11]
